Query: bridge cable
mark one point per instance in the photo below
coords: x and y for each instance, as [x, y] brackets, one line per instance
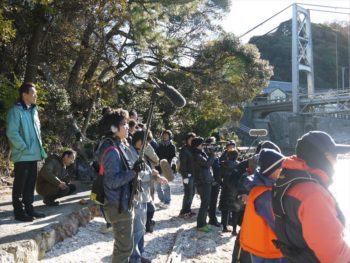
[348, 50]
[325, 6]
[258, 37]
[264, 21]
[327, 11]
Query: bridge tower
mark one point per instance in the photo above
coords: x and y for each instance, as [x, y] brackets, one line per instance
[302, 57]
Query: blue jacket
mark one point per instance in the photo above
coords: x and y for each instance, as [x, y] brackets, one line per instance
[117, 173]
[23, 132]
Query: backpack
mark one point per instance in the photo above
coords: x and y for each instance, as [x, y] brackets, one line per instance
[97, 191]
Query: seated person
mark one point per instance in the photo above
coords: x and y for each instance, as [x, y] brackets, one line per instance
[53, 180]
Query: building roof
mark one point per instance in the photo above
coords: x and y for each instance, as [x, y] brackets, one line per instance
[286, 87]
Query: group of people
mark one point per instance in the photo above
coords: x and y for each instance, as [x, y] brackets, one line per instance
[282, 204]
[289, 215]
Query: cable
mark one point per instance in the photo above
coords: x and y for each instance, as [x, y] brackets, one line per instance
[264, 21]
[326, 6]
[258, 37]
[333, 12]
[319, 10]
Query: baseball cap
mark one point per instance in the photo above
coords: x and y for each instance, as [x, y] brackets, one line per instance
[323, 142]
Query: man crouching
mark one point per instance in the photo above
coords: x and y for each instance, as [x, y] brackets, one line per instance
[53, 180]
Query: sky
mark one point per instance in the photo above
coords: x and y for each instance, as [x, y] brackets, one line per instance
[246, 14]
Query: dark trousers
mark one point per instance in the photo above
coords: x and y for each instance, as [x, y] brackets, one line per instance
[23, 186]
[204, 193]
[150, 213]
[188, 196]
[213, 203]
[61, 193]
[225, 216]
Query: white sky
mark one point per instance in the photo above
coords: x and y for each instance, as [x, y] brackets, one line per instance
[246, 14]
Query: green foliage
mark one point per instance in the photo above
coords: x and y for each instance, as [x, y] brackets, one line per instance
[7, 31]
[8, 94]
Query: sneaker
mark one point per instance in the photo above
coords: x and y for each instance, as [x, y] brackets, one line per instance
[205, 229]
[105, 230]
[163, 205]
[214, 223]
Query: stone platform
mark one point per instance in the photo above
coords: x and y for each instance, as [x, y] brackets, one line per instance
[28, 242]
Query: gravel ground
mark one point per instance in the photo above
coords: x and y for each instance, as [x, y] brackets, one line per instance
[171, 236]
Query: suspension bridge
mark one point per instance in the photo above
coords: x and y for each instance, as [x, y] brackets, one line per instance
[305, 104]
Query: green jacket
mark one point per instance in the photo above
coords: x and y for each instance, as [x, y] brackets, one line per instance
[50, 176]
[23, 132]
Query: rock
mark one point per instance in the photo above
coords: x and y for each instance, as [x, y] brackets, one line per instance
[6, 257]
[45, 241]
[23, 251]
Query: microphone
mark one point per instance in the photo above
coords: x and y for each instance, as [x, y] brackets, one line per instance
[173, 95]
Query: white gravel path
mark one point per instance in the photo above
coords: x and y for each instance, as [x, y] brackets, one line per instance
[89, 245]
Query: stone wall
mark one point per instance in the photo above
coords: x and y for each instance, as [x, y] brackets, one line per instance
[32, 250]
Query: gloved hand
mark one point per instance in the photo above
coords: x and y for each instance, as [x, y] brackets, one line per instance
[139, 166]
[186, 180]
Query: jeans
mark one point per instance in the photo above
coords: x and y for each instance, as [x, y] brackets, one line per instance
[188, 196]
[204, 193]
[163, 192]
[139, 232]
[215, 189]
[122, 224]
[23, 186]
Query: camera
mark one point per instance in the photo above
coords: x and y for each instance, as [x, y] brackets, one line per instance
[212, 148]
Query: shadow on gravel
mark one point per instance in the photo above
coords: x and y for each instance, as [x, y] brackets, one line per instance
[195, 243]
[160, 245]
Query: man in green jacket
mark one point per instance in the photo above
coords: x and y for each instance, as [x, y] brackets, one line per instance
[53, 179]
[23, 132]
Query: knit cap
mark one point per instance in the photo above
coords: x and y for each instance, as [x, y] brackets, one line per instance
[196, 141]
[269, 161]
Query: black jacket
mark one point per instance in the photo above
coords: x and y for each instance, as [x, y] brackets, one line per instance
[186, 161]
[202, 167]
[230, 178]
[166, 151]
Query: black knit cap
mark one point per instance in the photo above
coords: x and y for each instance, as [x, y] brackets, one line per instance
[196, 141]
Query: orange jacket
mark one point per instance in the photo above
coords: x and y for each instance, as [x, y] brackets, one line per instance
[256, 235]
[321, 228]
